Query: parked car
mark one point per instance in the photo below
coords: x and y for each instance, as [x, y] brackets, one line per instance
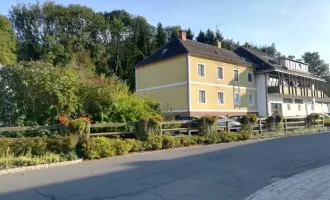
[193, 120]
[325, 115]
[222, 117]
[234, 126]
[236, 118]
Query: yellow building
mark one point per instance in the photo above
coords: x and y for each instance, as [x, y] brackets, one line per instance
[198, 79]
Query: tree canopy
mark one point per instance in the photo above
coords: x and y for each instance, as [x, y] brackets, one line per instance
[7, 42]
[109, 42]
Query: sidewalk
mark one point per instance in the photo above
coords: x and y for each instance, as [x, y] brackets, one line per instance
[310, 185]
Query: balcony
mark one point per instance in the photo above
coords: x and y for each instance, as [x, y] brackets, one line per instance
[294, 91]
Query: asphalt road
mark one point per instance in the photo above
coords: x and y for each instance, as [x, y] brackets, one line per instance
[222, 172]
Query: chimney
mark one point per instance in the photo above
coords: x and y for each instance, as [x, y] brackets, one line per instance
[219, 43]
[182, 35]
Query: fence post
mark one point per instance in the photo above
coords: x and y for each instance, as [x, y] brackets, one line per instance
[322, 121]
[161, 128]
[260, 126]
[285, 125]
[228, 126]
[188, 128]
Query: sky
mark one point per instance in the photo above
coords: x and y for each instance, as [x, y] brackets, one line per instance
[295, 26]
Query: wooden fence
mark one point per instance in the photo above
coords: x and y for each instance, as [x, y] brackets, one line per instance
[187, 127]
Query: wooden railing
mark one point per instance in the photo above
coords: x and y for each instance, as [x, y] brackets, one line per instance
[187, 127]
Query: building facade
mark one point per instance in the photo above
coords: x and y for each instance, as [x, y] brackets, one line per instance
[285, 85]
[197, 79]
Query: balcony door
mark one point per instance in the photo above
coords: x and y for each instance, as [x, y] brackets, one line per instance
[276, 108]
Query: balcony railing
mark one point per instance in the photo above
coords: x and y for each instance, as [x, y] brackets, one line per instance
[294, 91]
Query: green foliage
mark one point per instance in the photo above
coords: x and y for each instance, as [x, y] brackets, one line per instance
[228, 137]
[37, 146]
[7, 42]
[248, 122]
[99, 147]
[36, 93]
[28, 160]
[311, 119]
[207, 125]
[153, 142]
[185, 140]
[327, 121]
[212, 138]
[170, 142]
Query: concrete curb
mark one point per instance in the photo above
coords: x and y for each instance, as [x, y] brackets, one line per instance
[35, 167]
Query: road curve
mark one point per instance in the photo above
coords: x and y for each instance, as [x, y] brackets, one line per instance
[222, 172]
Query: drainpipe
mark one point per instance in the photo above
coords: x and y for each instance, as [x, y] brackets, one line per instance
[267, 112]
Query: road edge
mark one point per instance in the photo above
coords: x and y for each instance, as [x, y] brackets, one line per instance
[36, 167]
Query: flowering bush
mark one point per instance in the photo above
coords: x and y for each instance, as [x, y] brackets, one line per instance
[79, 126]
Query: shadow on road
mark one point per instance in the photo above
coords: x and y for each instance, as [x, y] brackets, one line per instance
[227, 171]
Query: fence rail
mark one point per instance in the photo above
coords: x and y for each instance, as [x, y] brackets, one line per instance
[188, 127]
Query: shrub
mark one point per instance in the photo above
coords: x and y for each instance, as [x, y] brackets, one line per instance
[243, 136]
[169, 142]
[99, 147]
[186, 140]
[122, 147]
[12, 161]
[153, 142]
[207, 125]
[248, 121]
[62, 144]
[5, 146]
[228, 137]
[136, 145]
[213, 138]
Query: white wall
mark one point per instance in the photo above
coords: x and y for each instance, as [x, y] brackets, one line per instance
[321, 107]
[306, 107]
[261, 94]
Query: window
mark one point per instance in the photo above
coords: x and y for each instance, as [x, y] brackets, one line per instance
[201, 96]
[298, 101]
[250, 77]
[299, 107]
[236, 78]
[286, 100]
[251, 99]
[201, 70]
[237, 99]
[288, 106]
[221, 98]
[219, 73]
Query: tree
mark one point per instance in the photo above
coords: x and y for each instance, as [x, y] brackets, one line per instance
[317, 66]
[7, 42]
[160, 36]
[210, 38]
[201, 37]
[229, 44]
[172, 32]
[190, 34]
[218, 35]
[291, 57]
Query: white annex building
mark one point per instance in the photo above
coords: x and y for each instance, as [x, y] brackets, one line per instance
[285, 86]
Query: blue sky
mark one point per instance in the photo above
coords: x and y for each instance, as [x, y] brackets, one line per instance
[295, 26]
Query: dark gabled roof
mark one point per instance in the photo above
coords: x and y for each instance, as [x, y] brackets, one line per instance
[263, 62]
[177, 47]
[173, 48]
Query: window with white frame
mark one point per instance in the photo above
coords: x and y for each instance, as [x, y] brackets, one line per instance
[219, 73]
[201, 70]
[250, 77]
[237, 99]
[221, 98]
[288, 107]
[201, 96]
[236, 77]
[251, 99]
